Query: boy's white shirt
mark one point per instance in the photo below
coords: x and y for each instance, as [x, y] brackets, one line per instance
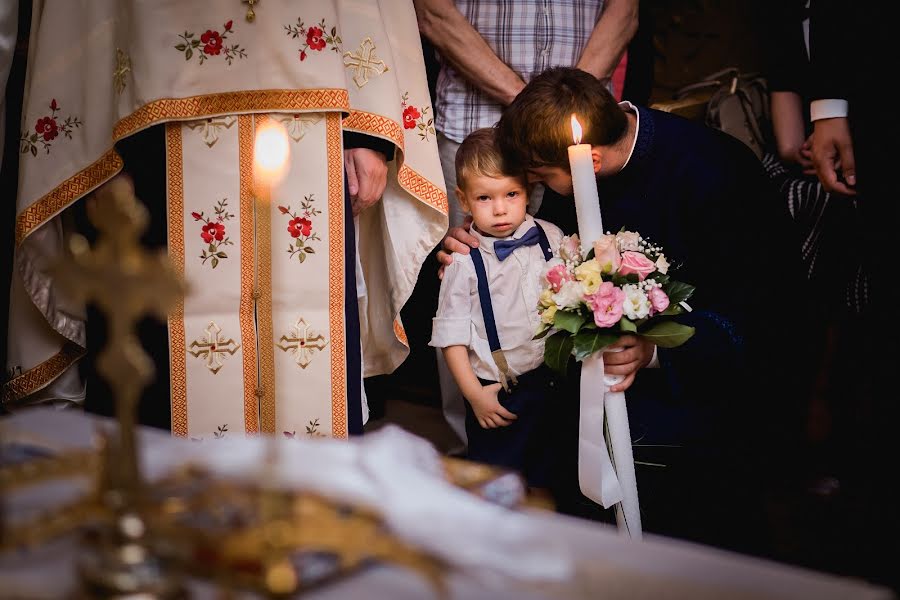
[515, 286]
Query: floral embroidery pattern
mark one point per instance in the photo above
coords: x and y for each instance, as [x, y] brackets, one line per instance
[413, 118]
[312, 430]
[213, 232]
[316, 38]
[301, 228]
[123, 67]
[212, 43]
[46, 129]
[221, 430]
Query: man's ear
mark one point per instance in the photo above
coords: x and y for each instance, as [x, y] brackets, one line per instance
[595, 156]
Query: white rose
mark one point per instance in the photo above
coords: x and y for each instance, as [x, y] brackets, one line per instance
[628, 241]
[662, 265]
[570, 295]
[637, 304]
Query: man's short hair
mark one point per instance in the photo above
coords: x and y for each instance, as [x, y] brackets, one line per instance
[479, 155]
[535, 130]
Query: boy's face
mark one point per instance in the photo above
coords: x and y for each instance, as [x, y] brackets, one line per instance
[497, 204]
[556, 178]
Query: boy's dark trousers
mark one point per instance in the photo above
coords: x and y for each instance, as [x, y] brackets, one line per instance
[525, 445]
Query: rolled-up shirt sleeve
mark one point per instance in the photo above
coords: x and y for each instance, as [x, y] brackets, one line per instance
[452, 325]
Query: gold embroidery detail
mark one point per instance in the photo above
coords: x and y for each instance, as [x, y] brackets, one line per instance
[363, 61]
[229, 103]
[41, 375]
[209, 128]
[400, 332]
[298, 124]
[247, 307]
[175, 185]
[336, 276]
[213, 348]
[374, 124]
[250, 14]
[123, 67]
[301, 344]
[65, 193]
[267, 404]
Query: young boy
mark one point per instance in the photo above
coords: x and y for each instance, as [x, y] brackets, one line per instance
[487, 315]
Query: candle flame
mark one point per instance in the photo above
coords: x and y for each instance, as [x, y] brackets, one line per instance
[576, 129]
[270, 153]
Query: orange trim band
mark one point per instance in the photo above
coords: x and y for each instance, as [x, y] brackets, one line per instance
[336, 266]
[177, 354]
[421, 188]
[266, 392]
[68, 191]
[41, 375]
[230, 103]
[366, 122]
[246, 310]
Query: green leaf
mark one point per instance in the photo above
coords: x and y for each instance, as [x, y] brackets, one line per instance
[188, 54]
[542, 332]
[181, 47]
[34, 150]
[668, 334]
[221, 255]
[625, 324]
[212, 247]
[568, 321]
[215, 262]
[302, 256]
[310, 250]
[672, 310]
[678, 291]
[589, 342]
[557, 350]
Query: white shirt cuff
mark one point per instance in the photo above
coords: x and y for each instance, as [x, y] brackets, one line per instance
[450, 332]
[830, 108]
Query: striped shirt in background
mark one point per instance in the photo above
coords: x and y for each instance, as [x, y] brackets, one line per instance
[529, 36]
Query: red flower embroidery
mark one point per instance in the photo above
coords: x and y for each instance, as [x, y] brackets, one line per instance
[197, 216]
[47, 127]
[410, 114]
[303, 55]
[228, 25]
[299, 226]
[212, 41]
[314, 38]
[213, 231]
[53, 105]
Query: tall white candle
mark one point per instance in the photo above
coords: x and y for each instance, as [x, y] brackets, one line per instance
[584, 186]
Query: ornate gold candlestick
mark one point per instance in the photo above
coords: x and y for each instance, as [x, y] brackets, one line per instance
[125, 282]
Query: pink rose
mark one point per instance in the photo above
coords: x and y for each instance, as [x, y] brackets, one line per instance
[659, 301]
[570, 248]
[607, 253]
[557, 276]
[635, 262]
[607, 303]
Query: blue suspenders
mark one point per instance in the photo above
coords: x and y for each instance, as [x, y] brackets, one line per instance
[487, 308]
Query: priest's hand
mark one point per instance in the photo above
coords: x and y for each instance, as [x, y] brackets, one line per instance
[487, 408]
[366, 177]
[458, 239]
[636, 354]
[832, 155]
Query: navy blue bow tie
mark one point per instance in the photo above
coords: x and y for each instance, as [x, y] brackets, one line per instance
[503, 248]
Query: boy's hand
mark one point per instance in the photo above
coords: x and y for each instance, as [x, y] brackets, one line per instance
[458, 239]
[635, 355]
[488, 410]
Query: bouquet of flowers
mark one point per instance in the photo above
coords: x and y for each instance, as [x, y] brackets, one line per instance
[621, 287]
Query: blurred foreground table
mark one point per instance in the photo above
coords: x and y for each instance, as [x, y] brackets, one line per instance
[607, 565]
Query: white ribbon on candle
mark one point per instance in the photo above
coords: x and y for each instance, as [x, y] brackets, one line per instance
[596, 475]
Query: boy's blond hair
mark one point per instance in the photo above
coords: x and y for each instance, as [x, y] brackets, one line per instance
[479, 156]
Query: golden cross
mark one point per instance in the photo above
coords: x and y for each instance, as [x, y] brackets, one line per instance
[302, 344]
[363, 61]
[214, 348]
[250, 14]
[125, 282]
[123, 66]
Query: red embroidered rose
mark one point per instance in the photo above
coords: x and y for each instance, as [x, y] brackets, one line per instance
[314, 38]
[299, 226]
[213, 42]
[213, 231]
[228, 25]
[53, 105]
[47, 127]
[410, 114]
[283, 210]
[303, 55]
[196, 216]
